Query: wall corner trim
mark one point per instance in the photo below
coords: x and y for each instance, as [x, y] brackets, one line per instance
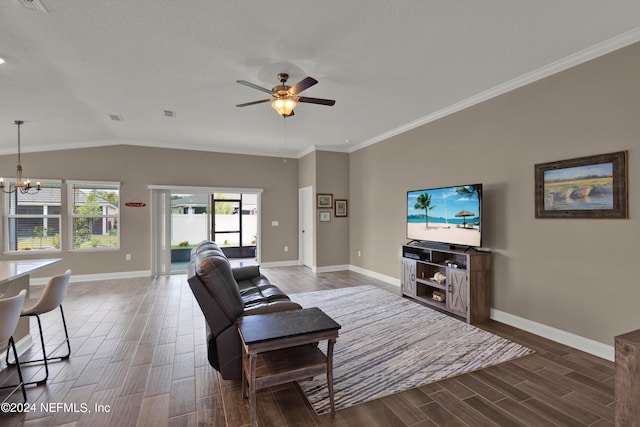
[581, 343]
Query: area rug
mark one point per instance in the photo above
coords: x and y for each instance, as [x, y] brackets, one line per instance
[388, 344]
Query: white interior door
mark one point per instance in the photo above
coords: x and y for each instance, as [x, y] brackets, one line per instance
[306, 222]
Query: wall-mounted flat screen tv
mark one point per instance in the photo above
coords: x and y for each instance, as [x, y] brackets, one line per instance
[450, 215]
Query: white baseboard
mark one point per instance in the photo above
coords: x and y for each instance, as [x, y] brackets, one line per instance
[93, 277]
[330, 268]
[280, 264]
[572, 340]
[356, 269]
[581, 343]
[388, 279]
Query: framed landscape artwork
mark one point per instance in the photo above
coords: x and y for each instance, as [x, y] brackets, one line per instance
[324, 201]
[585, 187]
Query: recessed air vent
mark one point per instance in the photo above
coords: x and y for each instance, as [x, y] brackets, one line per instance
[116, 118]
[33, 5]
[169, 113]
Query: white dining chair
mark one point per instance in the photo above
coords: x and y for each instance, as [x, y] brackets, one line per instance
[10, 309]
[51, 298]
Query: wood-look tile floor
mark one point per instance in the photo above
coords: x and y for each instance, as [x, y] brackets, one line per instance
[138, 352]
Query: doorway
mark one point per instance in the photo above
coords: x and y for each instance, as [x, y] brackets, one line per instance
[182, 217]
[306, 220]
[234, 223]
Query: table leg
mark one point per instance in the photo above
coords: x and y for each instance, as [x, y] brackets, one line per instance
[244, 375]
[252, 389]
[330, 373]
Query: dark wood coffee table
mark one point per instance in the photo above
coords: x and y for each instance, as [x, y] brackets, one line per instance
[278, 348]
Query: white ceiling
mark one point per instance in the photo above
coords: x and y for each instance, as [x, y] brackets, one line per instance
[390, 65]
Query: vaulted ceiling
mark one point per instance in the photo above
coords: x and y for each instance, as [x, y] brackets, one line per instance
[389, 65]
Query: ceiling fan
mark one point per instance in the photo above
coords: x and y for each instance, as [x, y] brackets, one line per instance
[285, 98]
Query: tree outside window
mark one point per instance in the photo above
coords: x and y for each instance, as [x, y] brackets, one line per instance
[95, 215]
[32, 221]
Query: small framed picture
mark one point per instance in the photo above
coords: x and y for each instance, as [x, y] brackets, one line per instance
[325, 201]
[340, 208]
[324, 216]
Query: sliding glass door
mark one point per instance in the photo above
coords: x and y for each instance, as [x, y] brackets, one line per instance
[189, 226]
[234, 224]
[184, 216]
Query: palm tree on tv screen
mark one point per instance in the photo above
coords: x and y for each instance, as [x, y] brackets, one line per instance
[469, 191]
[423, 202]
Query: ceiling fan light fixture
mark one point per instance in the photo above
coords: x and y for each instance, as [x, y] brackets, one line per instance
[284, 106]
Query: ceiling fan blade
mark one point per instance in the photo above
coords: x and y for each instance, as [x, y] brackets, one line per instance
[253, 103]
[303, 84]
[255, 86]
[329, 102]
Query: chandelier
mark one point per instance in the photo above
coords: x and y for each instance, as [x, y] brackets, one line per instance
[23, 186]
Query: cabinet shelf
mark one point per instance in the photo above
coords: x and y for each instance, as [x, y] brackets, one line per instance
[465, 276]
[432, 284]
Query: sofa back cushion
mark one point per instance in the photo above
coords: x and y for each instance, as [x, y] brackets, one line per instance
[212, 268]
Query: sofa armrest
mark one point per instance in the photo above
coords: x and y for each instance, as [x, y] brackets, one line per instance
[271, 307]
[247, 272]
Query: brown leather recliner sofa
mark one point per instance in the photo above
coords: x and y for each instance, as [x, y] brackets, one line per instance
[224, 295]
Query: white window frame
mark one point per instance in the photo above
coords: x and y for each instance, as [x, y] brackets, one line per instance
[10, 183]
[71, 184]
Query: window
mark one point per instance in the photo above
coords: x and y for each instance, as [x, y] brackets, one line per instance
[94, 214]
[32, 221]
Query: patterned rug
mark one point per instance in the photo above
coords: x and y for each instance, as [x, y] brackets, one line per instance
[388, 344]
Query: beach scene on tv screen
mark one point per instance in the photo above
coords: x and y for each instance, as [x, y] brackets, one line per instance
[449, 215]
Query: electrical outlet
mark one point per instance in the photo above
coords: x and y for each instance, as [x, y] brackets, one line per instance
[359, 254]
[127, 257]
[286, 248]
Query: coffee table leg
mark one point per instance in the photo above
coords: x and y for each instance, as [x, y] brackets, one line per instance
[330, 373]
[252, 389]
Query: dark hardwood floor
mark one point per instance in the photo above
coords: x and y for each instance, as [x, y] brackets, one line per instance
[138, 351]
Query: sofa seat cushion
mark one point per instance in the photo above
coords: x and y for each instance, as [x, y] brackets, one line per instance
[261, 294]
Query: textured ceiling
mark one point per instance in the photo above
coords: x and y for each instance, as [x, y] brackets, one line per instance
[388, 64]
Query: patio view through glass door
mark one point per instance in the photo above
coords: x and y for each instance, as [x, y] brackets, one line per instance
[189, 226]
[233, 225]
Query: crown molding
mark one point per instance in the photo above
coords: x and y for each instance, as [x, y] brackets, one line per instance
[593, 52]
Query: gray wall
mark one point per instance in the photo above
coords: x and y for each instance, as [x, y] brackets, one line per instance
[138, 167]
[576, 275]
[332, 238]
[328, 172]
